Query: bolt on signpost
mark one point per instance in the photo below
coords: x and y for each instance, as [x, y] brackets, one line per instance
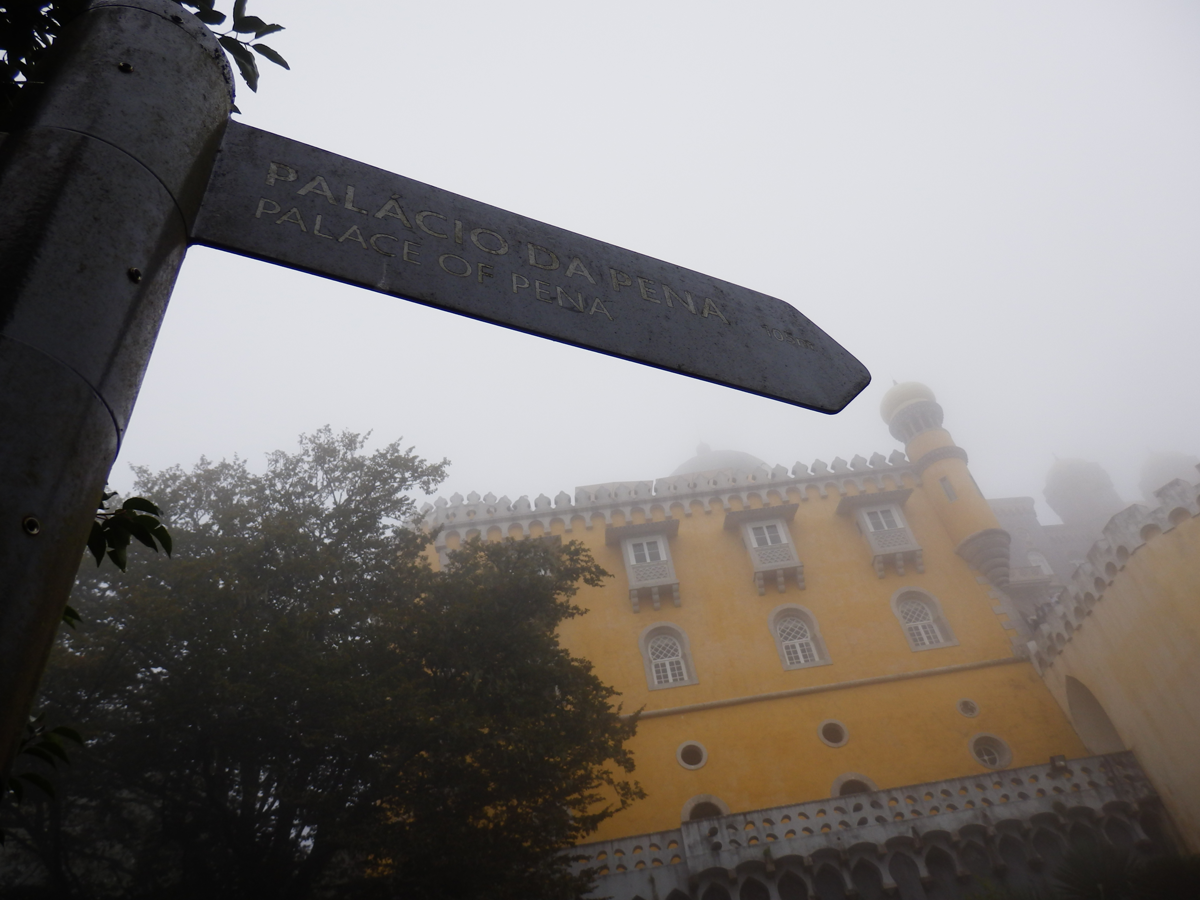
[130, 157]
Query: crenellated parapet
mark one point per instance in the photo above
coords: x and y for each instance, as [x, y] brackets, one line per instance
[1124, 534]
[1006, 826]
[679, 496]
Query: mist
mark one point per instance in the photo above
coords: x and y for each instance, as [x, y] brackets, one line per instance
[998, 200]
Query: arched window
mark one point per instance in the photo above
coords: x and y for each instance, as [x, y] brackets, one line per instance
[797, 638]
[918, 622]
[666, 659]
[665, 655]
[798, 647]
[921, 617]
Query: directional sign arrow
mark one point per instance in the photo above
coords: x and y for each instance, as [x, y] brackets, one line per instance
[289, 203]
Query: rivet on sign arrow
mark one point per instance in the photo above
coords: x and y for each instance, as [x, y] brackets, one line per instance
[135, 275]
[125, 67]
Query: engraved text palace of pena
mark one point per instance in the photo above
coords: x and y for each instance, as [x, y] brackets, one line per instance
[299, 206]
[486, 246]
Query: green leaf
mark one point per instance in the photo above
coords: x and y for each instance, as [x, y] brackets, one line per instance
[69, 733]
[248, 24]
[210, 16]
[97, 542]
[39, 752]
[39, 782]
[244, 59]
[141, 504]
[270, 29]
[164, 537]
[70, 617]
[117, 555]
[51, 746]
[141, 527]
[239, 9]
[264, 50]
[16, 789]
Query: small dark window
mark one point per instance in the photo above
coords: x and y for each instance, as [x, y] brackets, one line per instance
[704, 810]
[833, 732]
[853, 786]
[692, 755]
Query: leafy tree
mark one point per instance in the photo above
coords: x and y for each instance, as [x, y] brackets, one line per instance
[29, 28]
[296, 705]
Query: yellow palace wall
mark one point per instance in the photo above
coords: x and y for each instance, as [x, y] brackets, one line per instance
[1138, 653]
[767, 752]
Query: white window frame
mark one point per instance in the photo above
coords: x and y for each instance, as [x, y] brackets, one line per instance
[689, 670]
[778, 614]
[936, 619]
[780, 533]
[864, 515]
[660, 545]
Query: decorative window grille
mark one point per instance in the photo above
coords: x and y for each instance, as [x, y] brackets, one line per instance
[766, 535]
[797, 643]
[645, 551]
[918, 622]
[882, 519]
[666, 658]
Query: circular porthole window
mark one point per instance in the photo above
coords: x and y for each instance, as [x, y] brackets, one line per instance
[968, 708]
[691, 755]
[990, 751]
[833, 733]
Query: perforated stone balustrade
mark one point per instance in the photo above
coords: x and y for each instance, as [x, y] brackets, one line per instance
[985, 824]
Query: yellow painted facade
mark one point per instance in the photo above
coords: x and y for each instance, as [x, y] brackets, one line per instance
[757, 720]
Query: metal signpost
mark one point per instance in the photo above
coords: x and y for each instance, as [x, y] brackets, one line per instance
[129, 157]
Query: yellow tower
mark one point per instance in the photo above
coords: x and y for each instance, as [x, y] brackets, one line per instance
[914, 416]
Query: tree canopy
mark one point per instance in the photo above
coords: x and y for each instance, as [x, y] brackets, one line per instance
[29, 28]
[298, 705]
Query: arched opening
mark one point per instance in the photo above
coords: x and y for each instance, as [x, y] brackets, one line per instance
[828, 884]
[906, 877]
[716, 892]
[792, 887]
[867, 881]
[753, 889]
[704, 810]
[853, 786]
[1095, 728]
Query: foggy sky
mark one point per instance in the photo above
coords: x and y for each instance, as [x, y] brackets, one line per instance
[1001, 200]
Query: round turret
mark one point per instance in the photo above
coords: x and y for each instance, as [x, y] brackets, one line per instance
[1082, 493]
[909, 409]
[901, 395]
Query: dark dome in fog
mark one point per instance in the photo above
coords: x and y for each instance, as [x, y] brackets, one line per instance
[707, 459]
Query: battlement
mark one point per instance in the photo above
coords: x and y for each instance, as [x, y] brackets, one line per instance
[1125, 532]
[476, 516]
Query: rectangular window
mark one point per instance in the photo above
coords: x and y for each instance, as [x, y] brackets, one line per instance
[799, 653]
[949, 489]
[924, 634]
[882, 519]
[766, 535]
[645, 551]
[668, 671]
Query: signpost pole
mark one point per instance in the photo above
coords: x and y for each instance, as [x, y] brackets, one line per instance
[98, 188]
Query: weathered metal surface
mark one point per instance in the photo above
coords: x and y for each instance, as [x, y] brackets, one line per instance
[290, 203]
[96, 190]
